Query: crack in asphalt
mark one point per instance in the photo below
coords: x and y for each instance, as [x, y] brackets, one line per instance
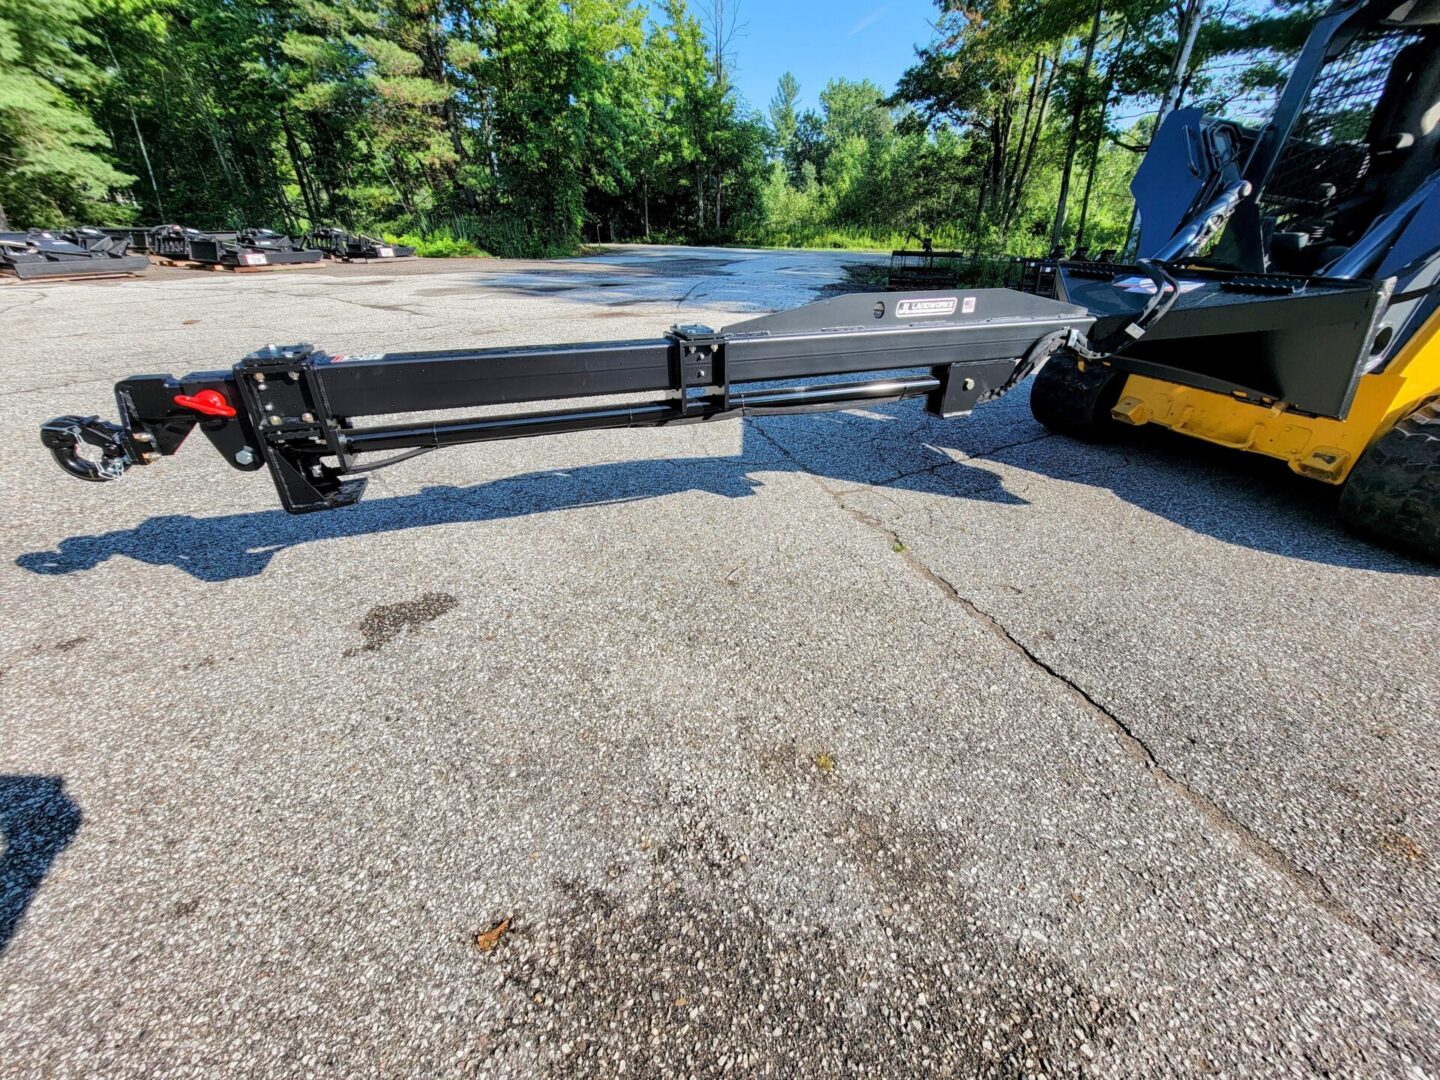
[270, 290]
[928, 469]
[990, 453]
[689, 293]
[1308, 884]
[24, 301]
[405, 308]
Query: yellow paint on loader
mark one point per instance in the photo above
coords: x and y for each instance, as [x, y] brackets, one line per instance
[1317, 447]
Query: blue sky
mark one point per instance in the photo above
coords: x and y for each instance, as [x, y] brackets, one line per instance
[821, 39]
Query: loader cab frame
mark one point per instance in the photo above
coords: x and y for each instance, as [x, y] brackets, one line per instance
[1340, 185]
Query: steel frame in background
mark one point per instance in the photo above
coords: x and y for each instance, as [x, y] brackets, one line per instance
[247, 248]
[61, 253]
[354, 247]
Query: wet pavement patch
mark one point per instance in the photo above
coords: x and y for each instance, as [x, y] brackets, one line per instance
[385, 622]
[690, 977]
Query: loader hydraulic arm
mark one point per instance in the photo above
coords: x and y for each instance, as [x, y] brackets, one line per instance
[313, 419]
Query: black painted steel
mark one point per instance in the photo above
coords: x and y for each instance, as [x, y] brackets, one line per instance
[299, 411]
[1263, 338]
[247, 248]
[468, 378]
[353, 247]
[44, 253]
[435, 434]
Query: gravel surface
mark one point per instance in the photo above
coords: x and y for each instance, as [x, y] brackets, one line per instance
[856, 744]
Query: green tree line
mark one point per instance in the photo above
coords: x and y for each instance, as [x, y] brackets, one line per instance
[532, 126]
[1021, 123]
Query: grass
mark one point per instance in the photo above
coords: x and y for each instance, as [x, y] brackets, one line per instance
[438, 245]
[868, 274]
[444, 236]
[826, 238]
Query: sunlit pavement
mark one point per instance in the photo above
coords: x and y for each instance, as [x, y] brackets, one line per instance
[846, 744]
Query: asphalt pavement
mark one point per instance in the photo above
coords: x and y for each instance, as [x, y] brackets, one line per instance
[851, 744]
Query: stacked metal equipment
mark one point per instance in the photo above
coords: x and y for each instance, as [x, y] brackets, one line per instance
[348, 247]
[138, 237]
[247, 248]
[928, 268]
[42, 253]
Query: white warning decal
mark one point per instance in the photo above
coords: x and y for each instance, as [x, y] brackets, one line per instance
[911, 309]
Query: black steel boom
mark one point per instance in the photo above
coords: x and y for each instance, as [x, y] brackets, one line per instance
[308, 415]
[295, 409]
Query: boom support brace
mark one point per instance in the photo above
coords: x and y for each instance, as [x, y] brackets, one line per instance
[300, 412]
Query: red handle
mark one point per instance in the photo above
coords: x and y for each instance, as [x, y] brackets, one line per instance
[209, 402]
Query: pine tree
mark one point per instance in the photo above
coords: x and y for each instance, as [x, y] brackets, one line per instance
[783, 118]
[52, 167]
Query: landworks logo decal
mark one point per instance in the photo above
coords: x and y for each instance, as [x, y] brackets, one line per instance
[940, 305]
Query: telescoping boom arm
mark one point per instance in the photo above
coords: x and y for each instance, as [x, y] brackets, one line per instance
[314, 419]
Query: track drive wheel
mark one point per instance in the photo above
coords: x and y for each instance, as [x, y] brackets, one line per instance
[1393, 493]
[1074, 402]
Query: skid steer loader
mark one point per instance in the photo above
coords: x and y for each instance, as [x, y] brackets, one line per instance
[1284, 303]
[1342, 184]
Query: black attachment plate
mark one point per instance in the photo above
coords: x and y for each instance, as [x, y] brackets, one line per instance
[1264, 338]
[295, 428]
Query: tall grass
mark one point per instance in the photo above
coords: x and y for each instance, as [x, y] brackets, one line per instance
[451, 235]
[849, 238]
[468, 235]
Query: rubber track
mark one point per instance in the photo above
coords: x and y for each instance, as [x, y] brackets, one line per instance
[1074, 402]
[1393, 494]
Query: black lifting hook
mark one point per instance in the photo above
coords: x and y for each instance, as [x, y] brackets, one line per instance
[63, 436]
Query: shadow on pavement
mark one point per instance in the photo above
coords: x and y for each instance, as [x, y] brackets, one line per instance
[1241, 499]
[242, 545]
[37, 820]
